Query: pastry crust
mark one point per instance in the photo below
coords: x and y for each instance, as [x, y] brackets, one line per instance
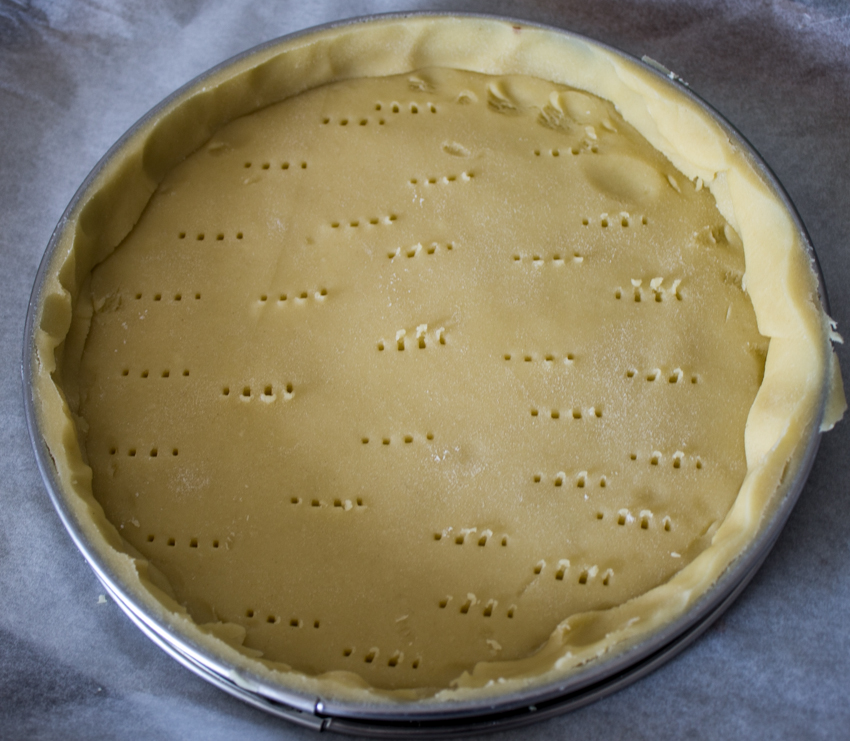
[800, 393]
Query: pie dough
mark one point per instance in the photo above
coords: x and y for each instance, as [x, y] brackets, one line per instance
[429, 383]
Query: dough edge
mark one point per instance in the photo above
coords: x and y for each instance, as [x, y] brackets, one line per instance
[801, 394]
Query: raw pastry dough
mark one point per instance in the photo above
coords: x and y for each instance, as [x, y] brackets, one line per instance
[434, 380]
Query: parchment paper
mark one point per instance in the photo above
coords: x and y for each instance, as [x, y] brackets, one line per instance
[74, 75]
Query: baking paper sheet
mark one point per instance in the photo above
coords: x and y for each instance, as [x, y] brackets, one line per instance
[75, 75]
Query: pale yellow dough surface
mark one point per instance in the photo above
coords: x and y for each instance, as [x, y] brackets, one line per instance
[439, 379]
[401, 372]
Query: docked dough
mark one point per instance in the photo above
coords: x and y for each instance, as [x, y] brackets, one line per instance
[400, 373]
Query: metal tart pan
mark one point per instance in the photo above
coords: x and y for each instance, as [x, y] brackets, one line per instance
[446, 720]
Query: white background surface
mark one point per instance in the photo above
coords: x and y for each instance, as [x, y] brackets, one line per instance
[74, 75]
